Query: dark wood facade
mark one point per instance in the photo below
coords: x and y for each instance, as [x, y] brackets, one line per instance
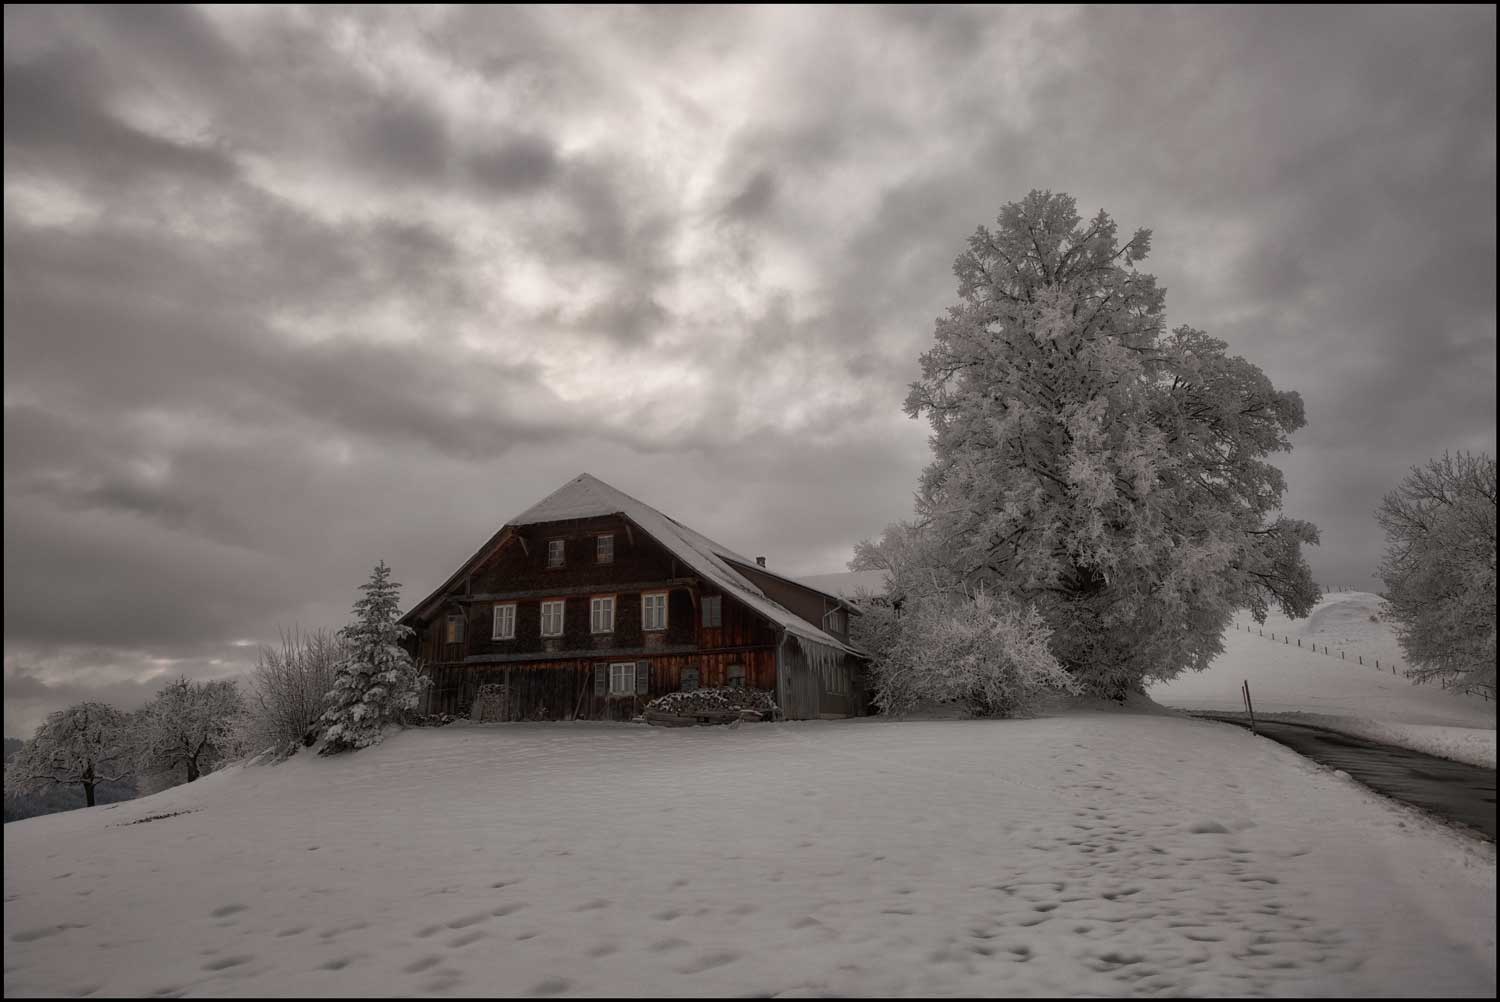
[566, 677]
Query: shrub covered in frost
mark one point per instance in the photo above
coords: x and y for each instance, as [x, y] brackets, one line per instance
[957, 647]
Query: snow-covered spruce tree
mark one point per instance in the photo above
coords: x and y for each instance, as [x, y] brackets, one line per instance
[1439, 569]
[376, 682]
[1087, 462]
[188, 725]
[85, 744]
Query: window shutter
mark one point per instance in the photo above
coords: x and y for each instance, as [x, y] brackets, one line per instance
[601, 680]
[642, 678]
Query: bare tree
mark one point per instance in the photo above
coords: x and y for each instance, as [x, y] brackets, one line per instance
[84, 744]
[1439, 569]
[289, 686]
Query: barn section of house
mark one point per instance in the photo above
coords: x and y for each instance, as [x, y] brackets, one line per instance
[591, 603]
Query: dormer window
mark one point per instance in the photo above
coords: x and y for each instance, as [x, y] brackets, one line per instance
[604, 549]
[555, 552]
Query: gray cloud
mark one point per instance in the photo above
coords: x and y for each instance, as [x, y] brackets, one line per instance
[289, 293]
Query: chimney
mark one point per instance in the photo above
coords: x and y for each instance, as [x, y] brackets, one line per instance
[760, 561]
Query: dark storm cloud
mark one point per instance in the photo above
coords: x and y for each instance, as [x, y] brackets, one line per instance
[287, 292]
[520, 165]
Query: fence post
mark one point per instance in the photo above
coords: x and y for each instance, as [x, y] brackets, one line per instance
[1245, 691]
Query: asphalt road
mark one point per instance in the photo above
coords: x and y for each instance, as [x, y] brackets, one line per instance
[1456, 792]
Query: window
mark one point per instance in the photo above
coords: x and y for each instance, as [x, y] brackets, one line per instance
[836, 621]
[689, 679]
[602, 614]
[505, 622]
[552, 618]
[622, 678]
[455, 631]
[736, 677]
[604, 549]
[555, 552]
[713, 611]
[654, 610]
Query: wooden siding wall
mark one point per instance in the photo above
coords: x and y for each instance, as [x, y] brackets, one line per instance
[564, 690]
[807, 688]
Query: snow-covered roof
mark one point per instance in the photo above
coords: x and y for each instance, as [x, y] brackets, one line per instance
[847, 584]
[586, 496]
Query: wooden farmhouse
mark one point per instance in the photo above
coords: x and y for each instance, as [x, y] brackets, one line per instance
[591, 603]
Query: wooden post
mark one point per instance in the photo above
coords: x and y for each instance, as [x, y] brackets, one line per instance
[1249, 706]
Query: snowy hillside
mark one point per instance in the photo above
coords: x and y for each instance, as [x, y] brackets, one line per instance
[1301, 683]
[1099, 853]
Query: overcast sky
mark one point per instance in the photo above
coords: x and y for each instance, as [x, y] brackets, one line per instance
[288, 292]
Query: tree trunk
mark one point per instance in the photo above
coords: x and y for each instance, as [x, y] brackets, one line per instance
[88, 794]
[192, 768]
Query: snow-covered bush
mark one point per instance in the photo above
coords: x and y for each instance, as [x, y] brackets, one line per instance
[954, 647]
[376, 682]
[86, 744]
[289, 687]
[1090, 464]
[1439, 569]
[188, 725]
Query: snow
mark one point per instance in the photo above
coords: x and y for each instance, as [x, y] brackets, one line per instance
[847, 584]
[1117, 853]
[1305, 685]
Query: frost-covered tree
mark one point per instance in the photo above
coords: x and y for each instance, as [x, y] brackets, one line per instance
[1439, 569]
[376, 682]
[188, 725]
[1092, 465]
[86, 744]
[289, 687]
[954, 647]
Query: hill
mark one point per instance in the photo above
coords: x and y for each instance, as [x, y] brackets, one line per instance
[1086, 853]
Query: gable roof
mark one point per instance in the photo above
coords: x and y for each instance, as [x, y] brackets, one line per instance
[586, 496]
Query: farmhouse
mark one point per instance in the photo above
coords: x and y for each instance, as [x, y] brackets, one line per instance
[591, 603]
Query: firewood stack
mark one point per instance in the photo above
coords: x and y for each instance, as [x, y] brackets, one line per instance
[710, 706]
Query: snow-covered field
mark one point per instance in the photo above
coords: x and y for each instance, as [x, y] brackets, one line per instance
[1303, 685]
[1093, 852]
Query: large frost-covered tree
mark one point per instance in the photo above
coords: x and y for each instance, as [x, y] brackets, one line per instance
[86, 744]
[1090, 464]
[1439, 569]
[376, 682]
[188, 724]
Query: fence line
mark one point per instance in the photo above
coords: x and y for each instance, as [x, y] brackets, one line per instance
[1286, 641]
